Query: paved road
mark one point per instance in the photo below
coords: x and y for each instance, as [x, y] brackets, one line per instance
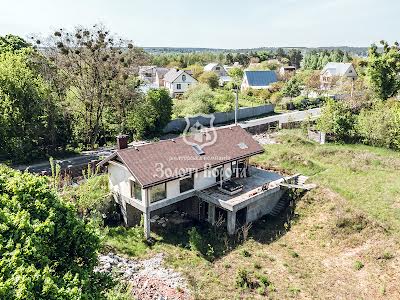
[88, 156]
[284, 118]
[79, 160]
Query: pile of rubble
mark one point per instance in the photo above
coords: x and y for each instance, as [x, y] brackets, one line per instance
[265, 138]
[175, 217]
[148, 278]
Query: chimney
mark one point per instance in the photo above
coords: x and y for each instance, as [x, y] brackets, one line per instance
[122, 141]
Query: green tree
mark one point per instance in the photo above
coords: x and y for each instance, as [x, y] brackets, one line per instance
[197, 99]
[30, 123]
[151, 115]
[383, 70]
[291, 88]
[197, 70]
[209, 78]
[237, 75]
[295, 57]
[46, 251]
[12, 43]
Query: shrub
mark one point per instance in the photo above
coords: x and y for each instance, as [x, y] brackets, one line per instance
[358, 265]
[245, 253]
[195, 240]
[257, 265]
[243, 279]
[380, 125]
[46, 251]
[337, 119]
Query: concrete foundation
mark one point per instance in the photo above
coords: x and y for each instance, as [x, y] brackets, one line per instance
[231, 222]
[146, 223]
[263, 206]
[211, 213]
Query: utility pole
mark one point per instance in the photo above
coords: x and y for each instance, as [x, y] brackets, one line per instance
[236, 104]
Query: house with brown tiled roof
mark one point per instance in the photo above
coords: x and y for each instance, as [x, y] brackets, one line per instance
[206, 175]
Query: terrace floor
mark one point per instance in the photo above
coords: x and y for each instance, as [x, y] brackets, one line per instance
[252, 187]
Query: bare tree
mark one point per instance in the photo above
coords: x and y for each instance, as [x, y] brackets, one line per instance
[96, 71]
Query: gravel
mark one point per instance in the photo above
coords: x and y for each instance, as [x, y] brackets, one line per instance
[149, 278]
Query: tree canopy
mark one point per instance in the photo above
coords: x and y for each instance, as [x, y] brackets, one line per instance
[383, 70]
[46, 251]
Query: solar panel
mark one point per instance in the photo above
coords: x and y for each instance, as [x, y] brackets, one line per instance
[198, 149]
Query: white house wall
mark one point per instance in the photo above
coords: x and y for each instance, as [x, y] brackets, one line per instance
[119, 179]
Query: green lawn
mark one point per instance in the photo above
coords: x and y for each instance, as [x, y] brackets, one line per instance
[368, 177]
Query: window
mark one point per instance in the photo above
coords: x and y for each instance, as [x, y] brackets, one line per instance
[136, 191]
[183, 77]
[234, 168]
[220, 174]
[186, 184]
[178, 86]
[217, 68]
[158, 192]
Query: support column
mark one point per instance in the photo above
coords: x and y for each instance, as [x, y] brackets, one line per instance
[146, 223]
[231, 222]
[211, 213]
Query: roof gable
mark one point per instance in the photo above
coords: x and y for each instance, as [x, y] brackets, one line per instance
[337, 68]
[173, 74]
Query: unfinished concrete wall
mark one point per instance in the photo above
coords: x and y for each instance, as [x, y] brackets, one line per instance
[316, 136]
[263, 206]
[189, 206]
[133, 215]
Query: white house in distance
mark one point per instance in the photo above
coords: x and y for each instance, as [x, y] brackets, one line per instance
[286, 71]
[159, 78]
[178, 81]
[258, 79]
[335, 70]
[216, 68]
[147, 73]
[214, 182]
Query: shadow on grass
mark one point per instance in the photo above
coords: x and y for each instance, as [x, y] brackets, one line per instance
[211, 242]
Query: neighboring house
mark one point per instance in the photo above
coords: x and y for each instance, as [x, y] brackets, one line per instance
[258, 79]
[147, 73]
[207, 183]
[235, 65]
[159, 78]
[216, 68]
[286, 71]
[334, 71]
[178, 81]
[224, 80]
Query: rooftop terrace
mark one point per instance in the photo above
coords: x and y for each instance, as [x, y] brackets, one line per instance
[252, 190]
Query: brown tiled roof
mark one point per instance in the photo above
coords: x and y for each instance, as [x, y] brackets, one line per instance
[180, 158]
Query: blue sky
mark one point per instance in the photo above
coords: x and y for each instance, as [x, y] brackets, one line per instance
[214, 23]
